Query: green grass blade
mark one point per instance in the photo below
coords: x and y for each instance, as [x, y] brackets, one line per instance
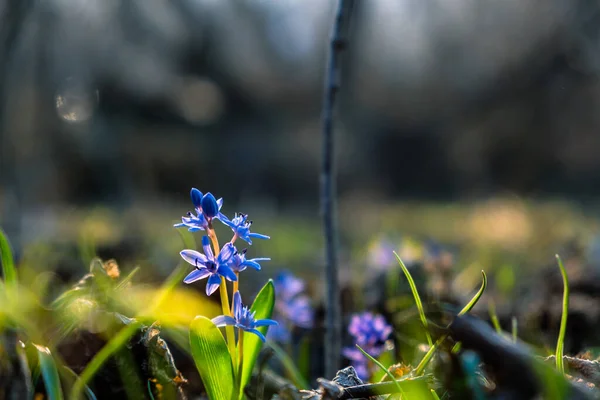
[494, 317]
[118, 341]
[90, 395]
[6, 258]
[563, 320]
[263, 307]
[49, 373]
[477, 296]
[418, 302]
[427, 357]
[384, 369]
[289, 366]
[212, 359]
[434, 395]
[515, 329]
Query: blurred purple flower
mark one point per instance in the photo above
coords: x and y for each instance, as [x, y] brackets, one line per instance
[288, 286]
[208, 266]
[241, 227]
[292, 306]
[370, 331]
[243, 318]
[206, 207]
[238, 261]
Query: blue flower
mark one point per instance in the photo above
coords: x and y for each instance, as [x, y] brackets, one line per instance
[287, 285]
[208, 266]
[241, 227]
[291, 305]
[239, 262]
[370, 331]
[206, 208]
[243, 318]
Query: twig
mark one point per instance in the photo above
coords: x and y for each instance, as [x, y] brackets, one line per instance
[328, 190]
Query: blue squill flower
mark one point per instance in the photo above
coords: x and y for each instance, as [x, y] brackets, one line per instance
[292, 306]
[207, 265]
[243, 318]
[241, 227]
[239, 262]
[287, 285]
[370, 331]
[206, 208]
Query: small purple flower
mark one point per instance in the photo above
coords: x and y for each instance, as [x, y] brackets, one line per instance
[292, 306]
[370, 331]
[288, 286]
[206, 208]
[243, 318]
[239, 262]
[208, 266]
[241, 227]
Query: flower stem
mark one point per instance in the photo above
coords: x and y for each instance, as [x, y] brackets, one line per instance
[236, 283]
[240, 357]
[224, 297]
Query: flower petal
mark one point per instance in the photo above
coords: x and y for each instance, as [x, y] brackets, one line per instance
[227, 272]
[213, 284]
[258, 236]
[265, 322]
[196, 275]
[257, 333]
[196, 196]
[251, 264]
[237, 305]
[220, 203]
[223, 320]
[193, 257]
[206, 246]
[226, 252]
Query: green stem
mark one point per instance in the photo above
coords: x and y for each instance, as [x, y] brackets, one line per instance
[224, 297]
[240, 357]
[563, 320]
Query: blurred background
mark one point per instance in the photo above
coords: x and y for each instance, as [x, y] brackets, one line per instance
[470, 126]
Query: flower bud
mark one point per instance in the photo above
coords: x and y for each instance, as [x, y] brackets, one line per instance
[196, 196]
[209, 205]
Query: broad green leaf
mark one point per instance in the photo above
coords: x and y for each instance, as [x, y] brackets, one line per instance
[263, 307]
[6, 258]
[49, 373]
[212, 359]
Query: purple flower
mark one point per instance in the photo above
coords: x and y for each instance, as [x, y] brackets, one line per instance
[239, 262]
[370, 331]
[288, 286]
[206, 208]
[241, 227]
[208, 266]
[243, 318]
[292, 306]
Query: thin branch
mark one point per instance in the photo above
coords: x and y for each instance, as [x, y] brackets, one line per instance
[328, 189]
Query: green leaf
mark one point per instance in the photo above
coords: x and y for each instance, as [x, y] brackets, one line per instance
[384, 369]
[563, 320]
[90, 395]
[212, 359]
[415, 292]
[477, 296]
[6, 258]
[263, 307]
[288, 365]
[49, 373]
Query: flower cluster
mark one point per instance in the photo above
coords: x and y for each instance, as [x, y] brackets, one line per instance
[219, 264]
[292, 307]
[370, 332]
